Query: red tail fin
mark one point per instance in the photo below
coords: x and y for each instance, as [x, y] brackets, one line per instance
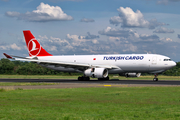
[33, 45]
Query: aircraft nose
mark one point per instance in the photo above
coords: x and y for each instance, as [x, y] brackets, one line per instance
[173, 63]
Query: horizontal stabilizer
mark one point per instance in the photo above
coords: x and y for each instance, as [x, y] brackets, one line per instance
[7, 56]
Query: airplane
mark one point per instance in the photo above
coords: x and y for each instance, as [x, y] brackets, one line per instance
[95, 66]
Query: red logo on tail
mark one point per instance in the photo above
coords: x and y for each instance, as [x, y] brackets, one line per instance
[34, 47]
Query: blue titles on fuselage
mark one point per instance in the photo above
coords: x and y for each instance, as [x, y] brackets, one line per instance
[123, 57]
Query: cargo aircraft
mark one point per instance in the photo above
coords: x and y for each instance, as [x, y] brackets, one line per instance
[96, 66]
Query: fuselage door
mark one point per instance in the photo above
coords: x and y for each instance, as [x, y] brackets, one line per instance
[154, 60]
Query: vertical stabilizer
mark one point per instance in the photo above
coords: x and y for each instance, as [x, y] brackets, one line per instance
[34, 48]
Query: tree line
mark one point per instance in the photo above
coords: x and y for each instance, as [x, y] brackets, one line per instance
[9, 67]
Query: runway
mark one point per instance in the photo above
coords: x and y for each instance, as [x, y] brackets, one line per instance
[112, 81]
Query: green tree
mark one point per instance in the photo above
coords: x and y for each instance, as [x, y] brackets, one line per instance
[6, 66]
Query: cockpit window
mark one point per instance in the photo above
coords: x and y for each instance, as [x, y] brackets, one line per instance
[167, 60]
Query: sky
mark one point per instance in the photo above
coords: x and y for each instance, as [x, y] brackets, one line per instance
[93, 27]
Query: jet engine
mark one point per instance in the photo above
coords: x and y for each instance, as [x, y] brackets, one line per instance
[96, 72]
[130, 74]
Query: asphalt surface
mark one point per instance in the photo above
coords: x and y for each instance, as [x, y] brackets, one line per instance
[112, 81]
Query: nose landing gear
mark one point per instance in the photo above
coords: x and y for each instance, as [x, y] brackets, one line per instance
[155, 77]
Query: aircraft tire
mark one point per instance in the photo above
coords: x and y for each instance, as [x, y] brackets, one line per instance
[87, 78]
[83, 78]
[155, 79]
[107, 78]
[79, 78]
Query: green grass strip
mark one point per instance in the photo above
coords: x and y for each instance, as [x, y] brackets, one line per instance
[110, 103]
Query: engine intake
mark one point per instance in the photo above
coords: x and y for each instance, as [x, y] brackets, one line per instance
[96, 72]
[130, 74]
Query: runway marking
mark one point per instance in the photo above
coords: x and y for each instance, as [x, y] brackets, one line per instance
[107, 85]
[110, 85]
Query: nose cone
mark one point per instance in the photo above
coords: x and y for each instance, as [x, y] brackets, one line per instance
[173, 63]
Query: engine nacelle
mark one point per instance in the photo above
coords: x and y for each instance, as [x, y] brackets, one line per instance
[130, 74]
[96, 72]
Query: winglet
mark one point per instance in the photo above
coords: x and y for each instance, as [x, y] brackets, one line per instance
[8, 56]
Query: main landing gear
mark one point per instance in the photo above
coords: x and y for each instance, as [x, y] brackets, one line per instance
[155, 77]
[83, 78]
[107, 78]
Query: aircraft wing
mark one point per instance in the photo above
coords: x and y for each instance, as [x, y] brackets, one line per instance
[75, 65]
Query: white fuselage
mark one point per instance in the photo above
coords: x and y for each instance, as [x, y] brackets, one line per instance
[150, 63]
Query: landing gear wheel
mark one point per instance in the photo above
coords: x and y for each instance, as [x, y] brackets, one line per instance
[100, 79]
[83, 78]
[155, 79]
[107, 78]
[79, 78]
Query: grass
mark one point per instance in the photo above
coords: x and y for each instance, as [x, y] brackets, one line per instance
[26, 83]
[149, 77]
[110, 103]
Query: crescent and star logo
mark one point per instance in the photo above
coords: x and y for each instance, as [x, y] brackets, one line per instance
[34, 47]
